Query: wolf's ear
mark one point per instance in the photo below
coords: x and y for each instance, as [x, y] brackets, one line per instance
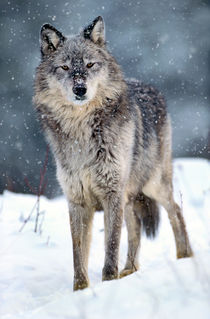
[50, 39]
[95, 31]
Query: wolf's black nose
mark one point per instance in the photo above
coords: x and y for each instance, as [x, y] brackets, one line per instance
[79, 90]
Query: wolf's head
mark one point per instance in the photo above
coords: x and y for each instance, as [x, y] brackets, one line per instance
[78, 67]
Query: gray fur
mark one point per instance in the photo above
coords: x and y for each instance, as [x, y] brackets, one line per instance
[111, 143]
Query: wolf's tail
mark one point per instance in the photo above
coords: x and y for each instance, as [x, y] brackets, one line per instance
[149, 215]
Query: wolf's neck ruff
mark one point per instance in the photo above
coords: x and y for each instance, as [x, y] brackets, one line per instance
[60, 116]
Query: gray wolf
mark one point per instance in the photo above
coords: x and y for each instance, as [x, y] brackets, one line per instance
[111, 140]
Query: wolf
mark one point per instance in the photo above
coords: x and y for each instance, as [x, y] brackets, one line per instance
[111, 140]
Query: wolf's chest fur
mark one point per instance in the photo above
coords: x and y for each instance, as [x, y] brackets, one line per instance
[87, 152]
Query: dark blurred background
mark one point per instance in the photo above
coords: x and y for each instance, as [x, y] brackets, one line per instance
[165, 43]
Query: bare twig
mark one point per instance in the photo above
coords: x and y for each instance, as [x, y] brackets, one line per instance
[48, 240]
[37, 214]
[28, 218]
[38, 192]
[41, 222]
[181, 201]
[29, 185]
[42, 185]
[10, 186]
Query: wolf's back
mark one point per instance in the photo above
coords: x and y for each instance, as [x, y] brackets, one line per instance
[151, 104]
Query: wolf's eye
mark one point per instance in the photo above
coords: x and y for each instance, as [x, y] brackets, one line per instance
[65, 67]
[89, 65]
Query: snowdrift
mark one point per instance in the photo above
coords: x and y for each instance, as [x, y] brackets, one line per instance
[36, 269]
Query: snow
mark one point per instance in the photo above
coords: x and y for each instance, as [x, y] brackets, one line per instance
[36, 269]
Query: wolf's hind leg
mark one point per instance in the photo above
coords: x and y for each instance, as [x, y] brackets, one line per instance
[80, 222]
[133, 224]
[161, 190]
[183, 248]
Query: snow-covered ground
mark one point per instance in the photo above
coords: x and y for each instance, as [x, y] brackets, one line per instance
[36, 270]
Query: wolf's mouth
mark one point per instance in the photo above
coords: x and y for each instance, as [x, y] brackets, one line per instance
[80, 98]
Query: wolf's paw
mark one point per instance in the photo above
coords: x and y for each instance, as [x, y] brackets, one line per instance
[80, 282]
[109, 273]
[126, 272]
[185, 253]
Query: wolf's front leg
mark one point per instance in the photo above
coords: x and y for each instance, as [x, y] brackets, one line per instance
[113, 215]
[80, 222]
